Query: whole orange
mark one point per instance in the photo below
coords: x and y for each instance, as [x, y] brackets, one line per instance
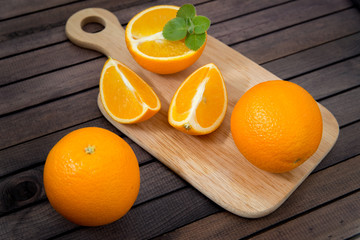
[276, 125]
[91, 177]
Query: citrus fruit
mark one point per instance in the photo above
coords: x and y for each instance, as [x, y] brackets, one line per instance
[147, 45]
[125, 96]
[276, 125]
[91, 177]
[199, 104]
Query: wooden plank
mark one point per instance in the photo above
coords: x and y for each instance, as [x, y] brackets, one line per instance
[48, 118]
[338, 220]
[22, 66]
[344, 106]
[171, 211]
[250, 26]
[39, 221]
[157, 181]
[347, 146]
[27, 188]
[34, 152]
[189, 207]
[313, 192]
[221, 10]
[336, 78]
[47, 59]
[21, 190]
[315, 57]
[300, 37]
[28, 42]
[42, 222]
[44, 35]
[40, 21]
[67, 81]
[61, 222]
[50, 86]
[20, 7]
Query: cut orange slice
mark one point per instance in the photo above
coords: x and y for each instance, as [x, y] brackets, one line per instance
[126, 97]
[199, 104]
[147, 45]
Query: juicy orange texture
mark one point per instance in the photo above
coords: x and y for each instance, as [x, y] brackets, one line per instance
[91, 177]
[125, 96]
[199, 104]
[277, 125]
[147, 45]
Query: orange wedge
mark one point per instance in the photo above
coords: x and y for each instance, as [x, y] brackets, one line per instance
[199, 104]
[126, 97]
[147, 45]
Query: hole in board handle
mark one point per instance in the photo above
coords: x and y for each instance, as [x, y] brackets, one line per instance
[93, 24]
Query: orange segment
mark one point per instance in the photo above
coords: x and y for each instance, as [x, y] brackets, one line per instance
[147, 45]
[125, 96]
[199, 104]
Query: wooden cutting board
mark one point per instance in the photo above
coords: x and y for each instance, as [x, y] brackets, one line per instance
[211, 163]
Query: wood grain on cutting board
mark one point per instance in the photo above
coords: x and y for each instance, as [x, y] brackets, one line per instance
[211, 163]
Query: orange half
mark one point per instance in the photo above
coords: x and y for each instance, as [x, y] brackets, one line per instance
[126, 97]
[144, 39]
[199, 104]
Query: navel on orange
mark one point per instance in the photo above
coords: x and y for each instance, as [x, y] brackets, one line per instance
[147, 45]
[91, 177]
[277, 125]
[199, 104]
[126, 97]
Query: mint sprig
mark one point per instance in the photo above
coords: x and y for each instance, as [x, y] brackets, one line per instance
[189, 26]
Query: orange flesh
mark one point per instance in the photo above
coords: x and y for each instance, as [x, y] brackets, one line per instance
[152, 22]
[212, 99]
[211, 104]
[163, 48]
[186, 94]
[122, 101]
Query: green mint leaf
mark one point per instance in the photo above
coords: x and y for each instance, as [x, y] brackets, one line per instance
[195, 41]
[175, 29]
[201, 24]
[189, 26]
[186, 11]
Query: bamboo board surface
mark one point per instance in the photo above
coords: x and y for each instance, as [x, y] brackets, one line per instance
[210, 163]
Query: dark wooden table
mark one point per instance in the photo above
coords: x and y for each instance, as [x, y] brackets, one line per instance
[48, 87]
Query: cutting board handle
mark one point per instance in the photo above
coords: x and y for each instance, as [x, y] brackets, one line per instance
[106, 41]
